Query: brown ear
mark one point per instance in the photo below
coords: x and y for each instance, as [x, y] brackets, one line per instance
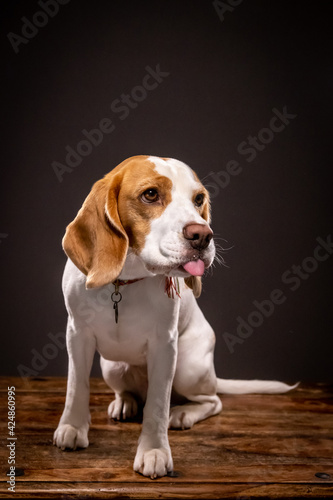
[96, 241]
[194, 282]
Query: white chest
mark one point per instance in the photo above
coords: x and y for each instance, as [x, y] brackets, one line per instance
[144, 312]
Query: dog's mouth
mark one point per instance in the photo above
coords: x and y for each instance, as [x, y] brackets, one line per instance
[194, 267]
[190, 263]
[194, 264]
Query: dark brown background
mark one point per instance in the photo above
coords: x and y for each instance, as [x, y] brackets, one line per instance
[225, 79]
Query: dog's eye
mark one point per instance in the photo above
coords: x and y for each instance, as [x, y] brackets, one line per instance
[199, 199]
[150, 195]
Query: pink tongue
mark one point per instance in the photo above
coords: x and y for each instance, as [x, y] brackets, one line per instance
[195, 267]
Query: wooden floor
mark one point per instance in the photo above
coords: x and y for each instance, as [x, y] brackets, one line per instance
[258, 447]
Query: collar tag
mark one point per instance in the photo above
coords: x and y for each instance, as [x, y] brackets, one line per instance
[116, 298]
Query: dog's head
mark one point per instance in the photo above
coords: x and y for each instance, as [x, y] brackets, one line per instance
[155, 206]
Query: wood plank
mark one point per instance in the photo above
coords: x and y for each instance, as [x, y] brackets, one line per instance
[47, 384]
[187, 472]
[259, 446]
[155, 489]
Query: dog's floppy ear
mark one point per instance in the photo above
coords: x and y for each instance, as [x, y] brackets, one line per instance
[96, 241]
[194, 282]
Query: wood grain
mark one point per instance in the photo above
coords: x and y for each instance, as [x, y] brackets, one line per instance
[260, 446]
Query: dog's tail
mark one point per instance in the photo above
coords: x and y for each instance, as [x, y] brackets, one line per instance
[252, 386]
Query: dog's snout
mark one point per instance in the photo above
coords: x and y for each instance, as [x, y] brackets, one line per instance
[199, 235]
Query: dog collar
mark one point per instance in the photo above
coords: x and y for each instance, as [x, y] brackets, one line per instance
[126, 282]
[171, 289]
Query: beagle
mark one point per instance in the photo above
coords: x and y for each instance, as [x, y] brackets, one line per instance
[137, 250]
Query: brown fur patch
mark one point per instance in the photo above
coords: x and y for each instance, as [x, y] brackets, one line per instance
[204, 209]
[135, 214]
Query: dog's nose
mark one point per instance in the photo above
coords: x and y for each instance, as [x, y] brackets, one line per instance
[199, 235]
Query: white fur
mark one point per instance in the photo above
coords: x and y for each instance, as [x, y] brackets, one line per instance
[159, 342]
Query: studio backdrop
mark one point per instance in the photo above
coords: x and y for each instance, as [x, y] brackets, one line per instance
[241, 91]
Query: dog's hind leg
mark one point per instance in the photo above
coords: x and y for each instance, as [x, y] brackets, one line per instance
[129, 384]
[195, 378]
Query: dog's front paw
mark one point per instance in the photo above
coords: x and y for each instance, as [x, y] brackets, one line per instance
[69, 437]
[153, 463]
[124, 406]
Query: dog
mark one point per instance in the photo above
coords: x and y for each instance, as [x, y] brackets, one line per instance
[137, 250]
